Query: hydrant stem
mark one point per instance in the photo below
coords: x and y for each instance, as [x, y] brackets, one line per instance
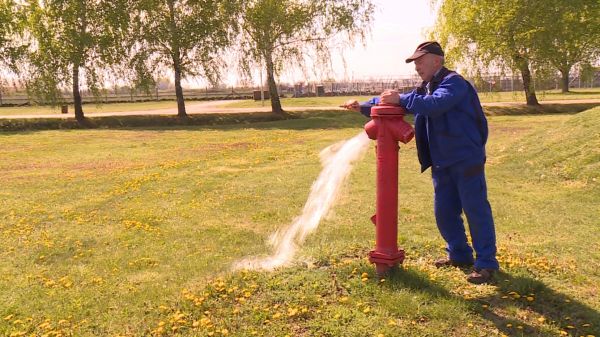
[387, 127]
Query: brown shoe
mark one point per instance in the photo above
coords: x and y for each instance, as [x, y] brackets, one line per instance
[446, 262]
[480, 276]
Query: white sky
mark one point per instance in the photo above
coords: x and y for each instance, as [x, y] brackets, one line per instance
[398, 27]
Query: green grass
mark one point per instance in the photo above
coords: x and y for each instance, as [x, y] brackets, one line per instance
[517, 96]
[575, 94]
[132, 232]
[88, 108]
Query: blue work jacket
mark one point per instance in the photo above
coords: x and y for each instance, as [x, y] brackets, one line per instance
[450, 125]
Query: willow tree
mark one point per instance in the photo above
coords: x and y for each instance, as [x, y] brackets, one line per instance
[186, 36]
[491, 32]
[281, 32]
[12, 44]
[73, 39]
[569, 34]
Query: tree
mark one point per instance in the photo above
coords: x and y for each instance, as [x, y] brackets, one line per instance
[501, 33]
[569, 34]
[11, 34]
[587, 72]
[74, 39]
[188, 36]
[279, 32]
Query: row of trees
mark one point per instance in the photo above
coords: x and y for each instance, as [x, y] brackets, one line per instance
[521, 35]
[51, 44]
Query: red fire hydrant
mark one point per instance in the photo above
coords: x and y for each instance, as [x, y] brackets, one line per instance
[387, 126]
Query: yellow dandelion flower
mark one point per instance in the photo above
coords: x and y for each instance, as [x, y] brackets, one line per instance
[344, 299]
[366, 310]
[470, 325]
[380, 335]
[276, 315]
[509, 325]
[364, 275]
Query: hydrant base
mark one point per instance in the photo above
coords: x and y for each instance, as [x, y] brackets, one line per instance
[384, 262]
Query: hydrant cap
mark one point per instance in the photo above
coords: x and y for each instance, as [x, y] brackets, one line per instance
[387, 110]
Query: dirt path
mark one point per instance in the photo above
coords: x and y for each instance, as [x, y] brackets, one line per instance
[216, 107]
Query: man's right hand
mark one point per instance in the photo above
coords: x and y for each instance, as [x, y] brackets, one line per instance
[351, 105]
[390, 97]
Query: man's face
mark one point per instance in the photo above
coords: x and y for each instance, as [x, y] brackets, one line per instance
[427, 65]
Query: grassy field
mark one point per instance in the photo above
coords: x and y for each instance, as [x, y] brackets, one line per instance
[575, 94]
[133, 232]
[88, 108]
[516, 96]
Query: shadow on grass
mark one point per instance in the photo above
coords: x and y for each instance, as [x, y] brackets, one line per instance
[199, 122]
[559, 310]
[545, 109]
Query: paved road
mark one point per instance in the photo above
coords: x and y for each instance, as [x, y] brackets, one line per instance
[216, 107]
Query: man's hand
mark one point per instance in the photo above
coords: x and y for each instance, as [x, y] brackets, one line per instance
[390, 97]
[351, 105]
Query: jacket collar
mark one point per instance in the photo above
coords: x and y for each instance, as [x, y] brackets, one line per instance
[435, 81]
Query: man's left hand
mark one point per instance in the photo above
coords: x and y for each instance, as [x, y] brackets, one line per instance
[390, 97]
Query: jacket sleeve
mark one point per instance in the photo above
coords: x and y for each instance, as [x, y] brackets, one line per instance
[451, 91]
[365, 107]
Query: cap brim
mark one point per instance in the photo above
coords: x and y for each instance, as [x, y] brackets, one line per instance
[416, 55]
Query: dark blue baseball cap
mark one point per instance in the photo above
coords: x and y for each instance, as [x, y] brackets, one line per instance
[429, 47]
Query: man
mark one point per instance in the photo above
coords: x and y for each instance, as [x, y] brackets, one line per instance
[450, 133]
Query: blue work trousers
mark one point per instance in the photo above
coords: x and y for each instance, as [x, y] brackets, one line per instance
[462, 187]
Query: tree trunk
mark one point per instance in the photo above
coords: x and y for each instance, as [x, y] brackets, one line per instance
[565, 80]
[179, 92]
[176, 57]
[275, 102]
[77, 101]
[528, 83]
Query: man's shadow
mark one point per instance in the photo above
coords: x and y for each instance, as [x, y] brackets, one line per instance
[558, 310]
